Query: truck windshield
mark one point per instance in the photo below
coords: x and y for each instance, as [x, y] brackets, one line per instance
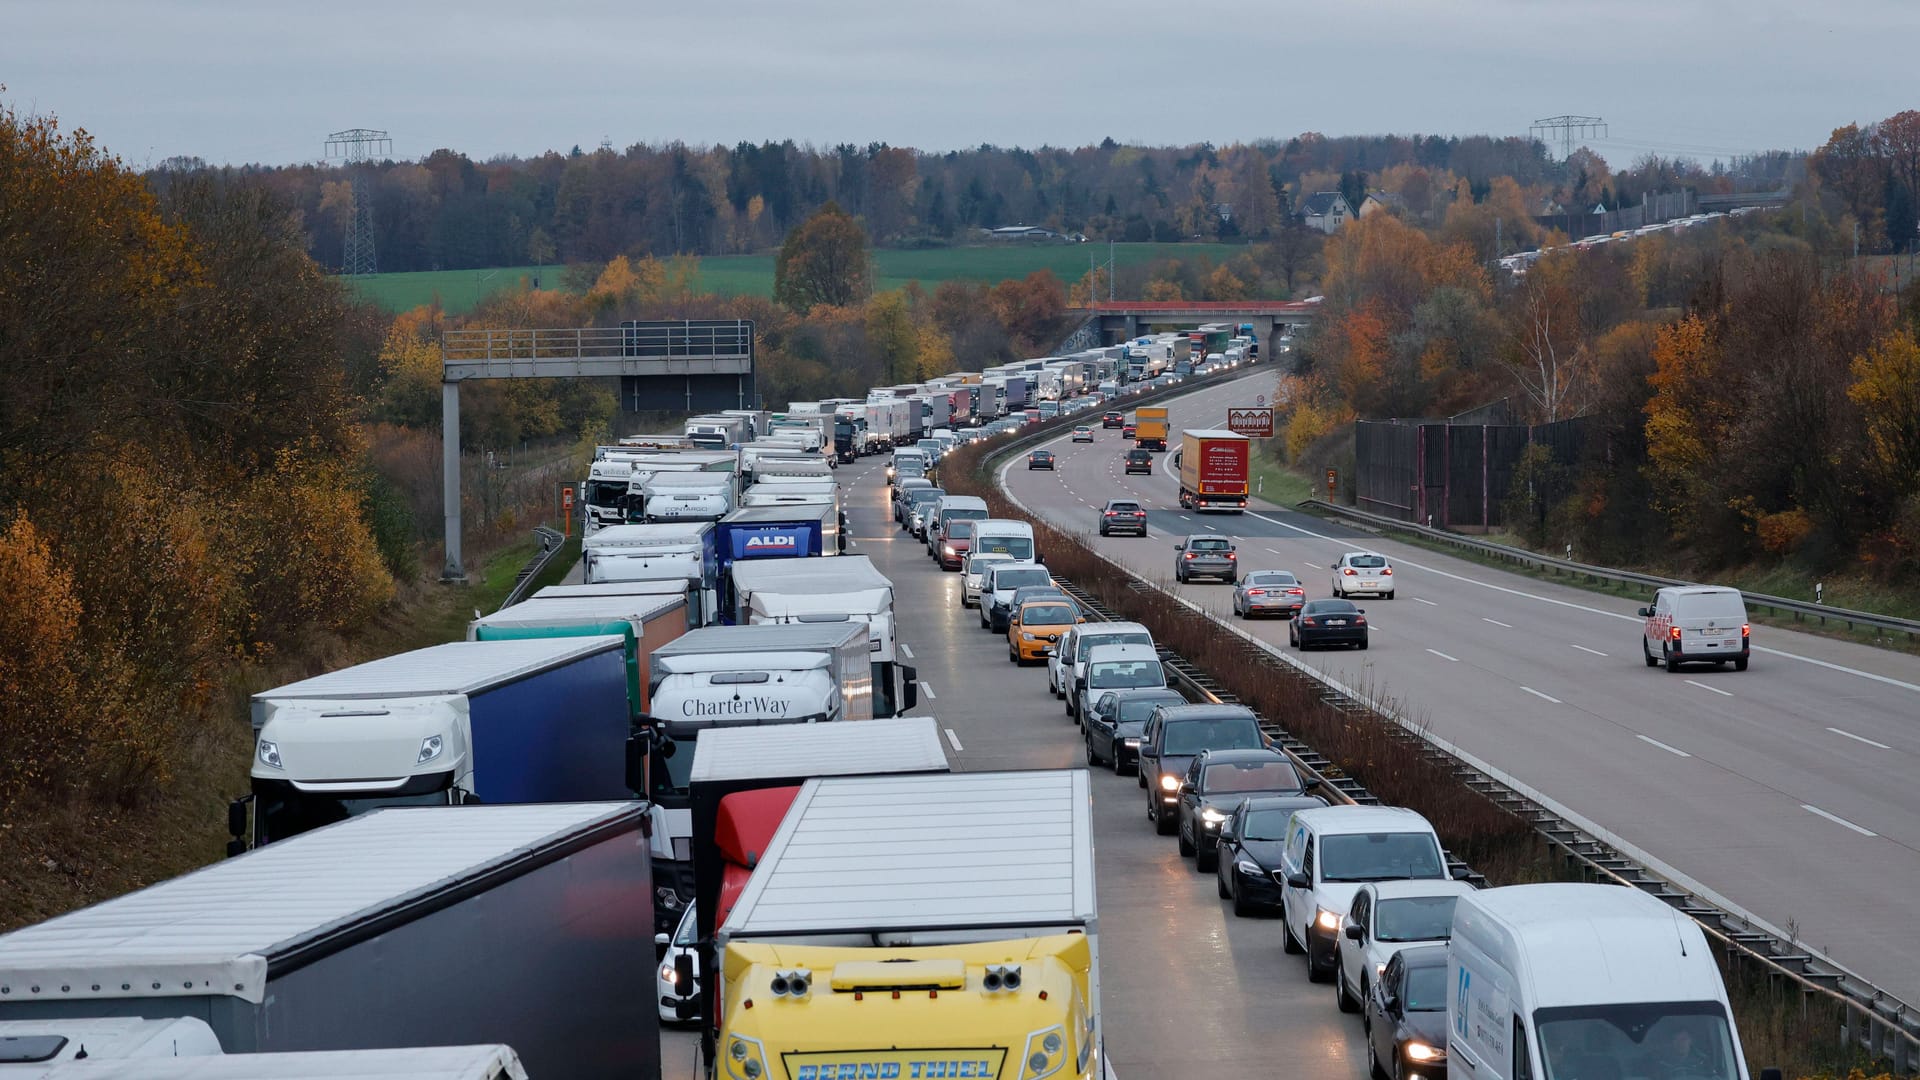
[289, 812]
[1676, 1040]
[606, 492]
[1090, 642]
[1414, 918]
[1379, 857]
[669, 776]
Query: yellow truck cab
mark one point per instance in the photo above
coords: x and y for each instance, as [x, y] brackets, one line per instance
[909, 974]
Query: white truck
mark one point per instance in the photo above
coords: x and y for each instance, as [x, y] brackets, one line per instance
[680, 551]
[739, 676]
[494, 1062]
[29, 1047]
[718, 432]
[804, 590]
[687, 496]
[918, 971]
[604, 494]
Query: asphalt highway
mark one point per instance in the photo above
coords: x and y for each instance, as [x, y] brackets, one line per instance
[1786, 791]
[1187, 989]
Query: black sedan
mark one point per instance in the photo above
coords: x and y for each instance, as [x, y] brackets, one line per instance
[1114, 418]
[1407, 1016]
[1217, 783]
[1250, 845]
[1040, 459]
[1328, 622]
[1115, 723]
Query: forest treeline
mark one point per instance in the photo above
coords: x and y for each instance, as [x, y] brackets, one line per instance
[449, 212]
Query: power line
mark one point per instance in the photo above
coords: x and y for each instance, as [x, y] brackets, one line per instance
[1566, 129]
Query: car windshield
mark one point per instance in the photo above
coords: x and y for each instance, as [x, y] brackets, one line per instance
[1427, 989]
[1186, 737]
[1331, 607]
[1090, 642]
[1366, 562]
[1267, 824]
[1209, 544]
[965, 515]
[1124, 507]
[1379, 857]
[1270, 577]
[1251, 776]
[1137, 711]
[1414, 918]
[1681, 1040]
[1041, 455]
[1046, 614]
[1124, 674]
[1019, 548]
[1014, 579]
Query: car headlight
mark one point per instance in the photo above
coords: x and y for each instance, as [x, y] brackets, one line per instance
[1045, 1053]
[1419, 1051]
[670, 975]
[1132, 744]
[430, 748]
[1024, 636]
[1328, 920]
[269, 754]
[1211, 816]
[1248, 867]
[746, 1059]
[1169, 783]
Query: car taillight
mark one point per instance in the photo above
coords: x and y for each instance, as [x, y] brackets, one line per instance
[1386, 571]
[1189, 554]
[1231, 555]
[1348, 570]
[1746, 630]
[1673, 632]
[1360, 620]
[1256, 592]
[1306, 620]
[1297, 592]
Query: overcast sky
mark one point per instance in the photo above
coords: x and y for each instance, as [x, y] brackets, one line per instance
[266, 80]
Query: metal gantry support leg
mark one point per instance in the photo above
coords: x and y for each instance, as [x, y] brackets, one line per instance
[454, 573]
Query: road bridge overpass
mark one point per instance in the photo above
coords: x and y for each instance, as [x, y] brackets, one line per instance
[1125, 319]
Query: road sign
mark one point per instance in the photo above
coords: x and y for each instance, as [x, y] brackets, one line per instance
[1261, 400]
[1333, 475]
[1254, 423]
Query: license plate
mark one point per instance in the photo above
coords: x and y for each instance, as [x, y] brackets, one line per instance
[1369, 584]
[1336, 622]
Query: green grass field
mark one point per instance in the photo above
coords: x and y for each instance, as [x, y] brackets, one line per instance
[752, 275]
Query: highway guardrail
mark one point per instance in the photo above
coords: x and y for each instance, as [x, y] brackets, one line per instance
[1799, 609]
[551, 542]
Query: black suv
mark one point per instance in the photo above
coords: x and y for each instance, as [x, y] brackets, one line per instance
[1216, 784]
[1140, 461]
[1174, 736]
[1123, 515]
[1113, 419]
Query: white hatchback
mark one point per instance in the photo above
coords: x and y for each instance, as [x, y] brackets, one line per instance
[1360, 572]
[1387, 916]
[1330, 853]
[976, 575]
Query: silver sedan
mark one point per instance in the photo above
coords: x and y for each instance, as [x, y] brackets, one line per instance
[1268, 592]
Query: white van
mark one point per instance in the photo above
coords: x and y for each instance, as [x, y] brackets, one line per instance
[1004, 535]
[1584, 980]
[1331, 851]
[970, 507]
[1696, 624]
[974, 580]
[1067, 670]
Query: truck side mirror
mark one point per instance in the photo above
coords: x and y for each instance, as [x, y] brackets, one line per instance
[637, 746]
[1645, 612]
[237, 818]
[910, 687]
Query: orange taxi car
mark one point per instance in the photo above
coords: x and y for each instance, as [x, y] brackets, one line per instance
[1038, 626]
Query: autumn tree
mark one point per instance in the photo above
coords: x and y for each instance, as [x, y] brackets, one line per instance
[824, 261]
[1886, 388]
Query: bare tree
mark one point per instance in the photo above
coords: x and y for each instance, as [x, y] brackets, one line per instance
[1553, 364]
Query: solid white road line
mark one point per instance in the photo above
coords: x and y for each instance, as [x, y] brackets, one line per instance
[1704, 686]
[1669, 749]
[927, 690]
[1859, 738]
[1836, 819]
[1184, 517]
[1444, 656]
[1543, 697]
[954, 741]
[906, 651]
[1496, 622]
[1584, 649]
[1420, 600]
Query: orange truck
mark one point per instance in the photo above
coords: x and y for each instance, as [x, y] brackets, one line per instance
[1150, 427]
[1213, 470]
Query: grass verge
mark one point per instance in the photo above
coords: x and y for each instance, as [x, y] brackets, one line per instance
[58, 856]
[1780, 1026]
